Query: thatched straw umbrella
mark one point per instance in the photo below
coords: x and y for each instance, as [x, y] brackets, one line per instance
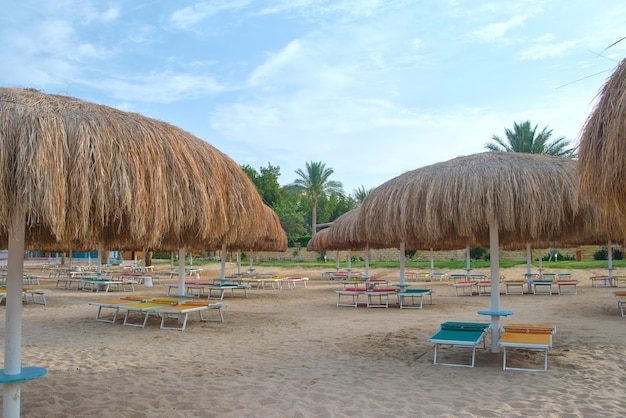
[602, 149]
[505, 197]
[75, 174]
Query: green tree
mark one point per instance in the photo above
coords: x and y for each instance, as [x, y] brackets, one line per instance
[266, 182]
[291, 218]
[314, 183]
[524, 138]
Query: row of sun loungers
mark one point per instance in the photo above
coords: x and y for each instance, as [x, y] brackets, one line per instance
[379, 297]
[535, 337]
[167, 308]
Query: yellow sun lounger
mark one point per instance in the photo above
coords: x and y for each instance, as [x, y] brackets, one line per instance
[176, 311]
[115, 304]
[536, 337]
[621, 300]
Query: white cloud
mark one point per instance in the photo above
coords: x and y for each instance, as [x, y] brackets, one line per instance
[189, 16]
[164, 87]
[494, 32]
[543, 50]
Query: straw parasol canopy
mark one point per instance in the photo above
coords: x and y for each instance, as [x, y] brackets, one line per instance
[602, 148]
[75, 174]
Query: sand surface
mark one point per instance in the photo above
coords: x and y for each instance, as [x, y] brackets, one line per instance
[294, 353]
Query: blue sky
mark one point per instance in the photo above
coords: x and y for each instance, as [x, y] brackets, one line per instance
[372, 88]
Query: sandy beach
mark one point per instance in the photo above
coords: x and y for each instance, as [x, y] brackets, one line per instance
[294, 353]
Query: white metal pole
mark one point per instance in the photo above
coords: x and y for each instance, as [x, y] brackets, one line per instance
[223, 261]
[99, 259]
[494, 249]
[239, 263]
[468, 262]
[367, 261]
[13, 320]
[402, 263]
[181, 271]
[529, 266]
[432, 264]
[610, 255]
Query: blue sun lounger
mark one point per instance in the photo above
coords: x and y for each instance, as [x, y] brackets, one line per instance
[460, 334]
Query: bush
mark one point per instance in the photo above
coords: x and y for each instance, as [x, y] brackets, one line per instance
[603, 254]
[477, 253]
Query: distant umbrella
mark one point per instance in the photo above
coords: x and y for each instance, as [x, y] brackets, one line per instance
[75, 174]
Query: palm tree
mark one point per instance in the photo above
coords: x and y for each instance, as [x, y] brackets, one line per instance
[524, 138]
[314, 183]
[360, 194]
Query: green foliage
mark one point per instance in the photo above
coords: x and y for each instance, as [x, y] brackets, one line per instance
[315, 183]
[300, 241]
[477, 253]
[266, 182]
[360, 194]
[524, 138]
[603, 254]
[555, 255]
[409, 254]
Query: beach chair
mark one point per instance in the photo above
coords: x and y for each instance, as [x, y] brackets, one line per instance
[37, 295]
[350, 292]
[543, 286]
[600, 281]
[292, 282]
[144, 309]
[621, 300]
[466, 287]
[186, 308]
[383, 297]
[619, 281]
[115, 305]
[460, 334]
[414, 293]
[221, 290]
[535, 337]
[566, 285]
[514, 286]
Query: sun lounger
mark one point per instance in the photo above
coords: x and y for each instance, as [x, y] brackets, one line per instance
[482, 286]
[383, 297]
[221, 289]
[619, 281]
[350, 292]
[292, 282]
[536, 337]
[414, 293]
[460, 334]
[467, 287]
[454, 277]
[512, 285]
[115, 305]
[144, 309]
[542, 286]
[38, 296]
[600, 281]
[566, 285]
[176, 311]
[621, 300]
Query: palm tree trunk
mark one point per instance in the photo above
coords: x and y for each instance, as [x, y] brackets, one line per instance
[314, 218]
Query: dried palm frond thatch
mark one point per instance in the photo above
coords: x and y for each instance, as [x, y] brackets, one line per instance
[602, 148]
[83, 173]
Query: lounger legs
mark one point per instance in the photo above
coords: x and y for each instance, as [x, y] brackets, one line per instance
[471, 365]
[545, 362]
